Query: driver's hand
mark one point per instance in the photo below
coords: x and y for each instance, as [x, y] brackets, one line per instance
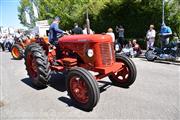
[52, 46]
[66, 33]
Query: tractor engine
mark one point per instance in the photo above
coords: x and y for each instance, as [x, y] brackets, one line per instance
[92, 50]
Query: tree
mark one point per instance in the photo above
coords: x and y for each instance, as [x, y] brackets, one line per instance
[24, 6]
[134, 15]
[173, 16]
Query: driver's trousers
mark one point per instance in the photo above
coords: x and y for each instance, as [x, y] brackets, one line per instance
[58, 50]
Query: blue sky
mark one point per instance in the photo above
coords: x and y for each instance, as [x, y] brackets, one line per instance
[9, 13]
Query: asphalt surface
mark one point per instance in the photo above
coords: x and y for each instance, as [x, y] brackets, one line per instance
[154, 95]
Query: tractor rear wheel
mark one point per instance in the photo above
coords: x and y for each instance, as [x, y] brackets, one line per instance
[82, 88]
[126, 75]
[17, 52]
[37, 65]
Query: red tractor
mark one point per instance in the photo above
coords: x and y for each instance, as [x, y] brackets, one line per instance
[17, 50]
[80, 54]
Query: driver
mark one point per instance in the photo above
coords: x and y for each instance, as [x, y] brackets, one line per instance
[54, 30]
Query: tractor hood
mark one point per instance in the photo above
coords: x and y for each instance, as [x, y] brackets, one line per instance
[96, 38]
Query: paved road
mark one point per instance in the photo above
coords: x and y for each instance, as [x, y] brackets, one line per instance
[154, 95]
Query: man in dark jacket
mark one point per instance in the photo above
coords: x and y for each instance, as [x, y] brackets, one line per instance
[54, 30]
[77, 29]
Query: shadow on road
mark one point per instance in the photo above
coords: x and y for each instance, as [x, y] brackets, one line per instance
[15, 59]
[66, 100]
[57, 82]
[28, 82]
[71, 103]
[104, 86]
[162, 62]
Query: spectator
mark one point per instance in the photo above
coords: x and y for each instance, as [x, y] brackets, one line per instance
[136, 48]
[150, 37]
[128, 50]
[18, 34]
[2, 43]
[165, 33]
[54, 30]
[5, 40]
[9, 42]
[110, 32]
[77, 29]
[85, 30]
[120, 32]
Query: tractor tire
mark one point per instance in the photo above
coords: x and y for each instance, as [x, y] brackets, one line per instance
[37, 65]
[17, 52]
[150, 56]
[82, 88]
[127, 75]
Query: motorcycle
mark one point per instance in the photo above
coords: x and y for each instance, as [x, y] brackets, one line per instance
[168, 52]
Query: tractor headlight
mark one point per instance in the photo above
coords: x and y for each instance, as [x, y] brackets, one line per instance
[90, 53]
[117, 47]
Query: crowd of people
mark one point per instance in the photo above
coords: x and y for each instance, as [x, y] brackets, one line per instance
[132, 48]
[6, 42]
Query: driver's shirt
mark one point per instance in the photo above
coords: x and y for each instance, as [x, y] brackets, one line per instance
[53, 30]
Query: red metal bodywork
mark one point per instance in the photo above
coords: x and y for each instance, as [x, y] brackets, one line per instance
[103, 60]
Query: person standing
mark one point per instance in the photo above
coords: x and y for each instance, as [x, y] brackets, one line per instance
[120, 32]
[2, 43]
[85, 30]
[110, 32]
[165, 33]
[77, 29]
[150, 37]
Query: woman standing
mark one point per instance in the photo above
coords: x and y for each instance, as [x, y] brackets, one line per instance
[150, 37]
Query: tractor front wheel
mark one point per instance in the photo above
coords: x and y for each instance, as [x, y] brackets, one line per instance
[37, 65]
[126, 75]
[17, 52]
[82, 88]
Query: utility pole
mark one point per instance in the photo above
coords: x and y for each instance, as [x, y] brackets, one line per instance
[87, 22]
[163, 1]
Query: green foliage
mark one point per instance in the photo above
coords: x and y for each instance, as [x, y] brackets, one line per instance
[174, 16]
[134, 15]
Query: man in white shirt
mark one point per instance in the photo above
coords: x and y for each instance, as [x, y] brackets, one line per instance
[110, 32]
[150, 37]
[85, 30]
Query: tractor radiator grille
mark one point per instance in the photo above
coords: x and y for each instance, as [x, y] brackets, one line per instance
[107, 53]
